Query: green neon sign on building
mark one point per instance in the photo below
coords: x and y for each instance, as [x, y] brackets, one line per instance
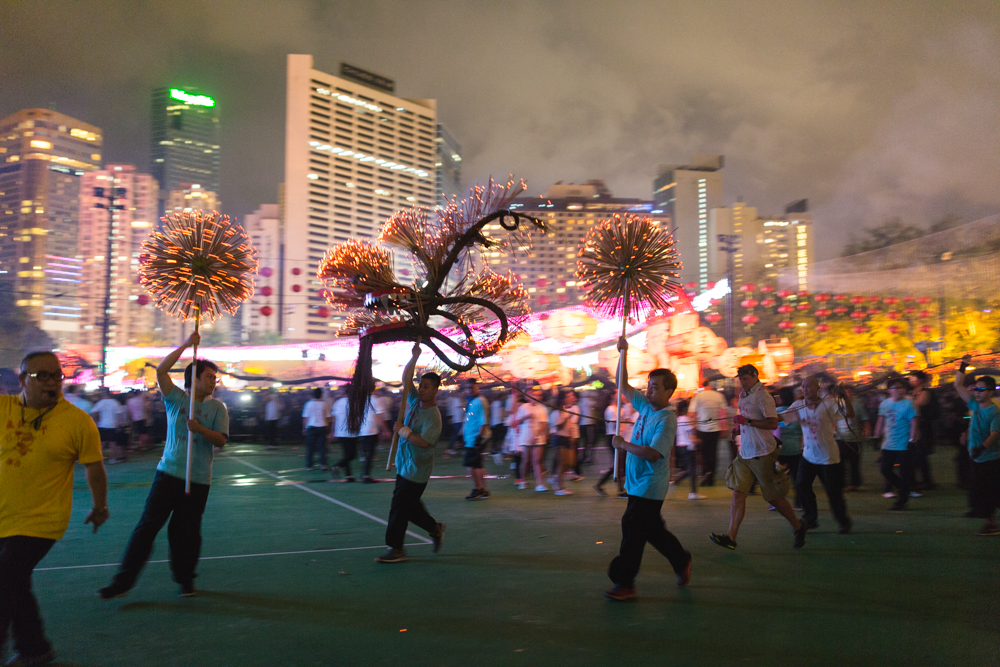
[197, 100]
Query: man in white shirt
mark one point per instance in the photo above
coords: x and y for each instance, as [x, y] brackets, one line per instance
[757, 460]
[588, 427]
[314, 429]
[709, 408]
[531, 423]
[138, 409]
[820, 452]
[109, 423]
[610, 420]
[272, 413]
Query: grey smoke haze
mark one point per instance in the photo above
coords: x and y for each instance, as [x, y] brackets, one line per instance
[869, 109]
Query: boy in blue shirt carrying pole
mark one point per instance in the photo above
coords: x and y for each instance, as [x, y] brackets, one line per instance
[647, 477]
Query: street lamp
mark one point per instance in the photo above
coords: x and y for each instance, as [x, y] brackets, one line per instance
[729, 243]
[111, 194]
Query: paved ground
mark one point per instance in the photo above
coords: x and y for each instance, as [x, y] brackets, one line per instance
[288, 579]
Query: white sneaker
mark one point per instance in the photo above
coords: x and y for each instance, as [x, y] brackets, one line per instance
[522, 485]
[888, 494]
[498, 458]
[551, 480]
[541, 487]
[914, 494]
[695, 496]
[564, 492]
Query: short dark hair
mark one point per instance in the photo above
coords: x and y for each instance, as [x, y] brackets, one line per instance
[35, 355]
[787, 395]
[202, 365]
[707, 383]
[433, 377]
[317, 393]
[824, 377]
[668, 378]
[747, 368]
[896, 382]
[682, 407]
[469, 380]
[920, 375]
[988, 379]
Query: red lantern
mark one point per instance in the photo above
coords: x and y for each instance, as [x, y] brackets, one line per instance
[857, 299]
[749, 287]
[767, 303]
[907, 298]
[561, 297]
[859, 329]
[296, 288]
[713, 317]
[750, 319]
[544, 300]
[266, 272]
[873, 299]
[749, 303]
[710, 285]
[767, 288]
[296, 271]
[924, 299]
[874, 311]
[926, 328]
[891, 301]
[805, 305]
[822, 298]
[541, 282]
[142, 300]
[822, 327]
[893, 329]
[715, 302]
[266, 291]
[857, 315]
[323, 312]
[924, 314]
[803, 293]
[839, 297]
[909, 310]
[785, 293]
[266, 311]
[785, 309]
[840, 310]
[690, 285]
[785, 324]
[822, 312]
[892, 315]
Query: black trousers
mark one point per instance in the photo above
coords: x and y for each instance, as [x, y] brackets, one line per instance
[832, 477]
[709, 455]
[919, 451]
[985, 488]
[499, 433]
[588, 438]
[18, 607]
[368, 443]
[271, 432]
[350, 448]
[167, 500]
[642, 523]
[850, 456]
[407, 508]
[904, 479]
[315, 444]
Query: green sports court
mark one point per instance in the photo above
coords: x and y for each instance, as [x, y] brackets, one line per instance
[287, 578]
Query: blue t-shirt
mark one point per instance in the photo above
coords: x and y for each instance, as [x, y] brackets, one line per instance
[656, 429]
[212, 414]
[412, 462]
[984, 420]
[475, 419]
[896, 416]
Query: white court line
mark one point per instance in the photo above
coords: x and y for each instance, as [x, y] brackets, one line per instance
[302, 486]
[274, 553]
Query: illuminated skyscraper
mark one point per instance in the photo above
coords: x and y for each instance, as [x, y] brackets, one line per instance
[185, 141]
[43, 155]
[192, 197]
[769, 244]
[686, 194]
[259, 314]
[449, 166]
[354, 154]
[130, 316]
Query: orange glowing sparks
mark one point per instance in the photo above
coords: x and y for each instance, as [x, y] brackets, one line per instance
[198, 264]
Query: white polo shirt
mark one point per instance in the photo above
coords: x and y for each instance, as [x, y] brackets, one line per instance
[819, 429]
[756, 404]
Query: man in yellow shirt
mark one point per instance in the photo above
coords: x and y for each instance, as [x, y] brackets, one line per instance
[43, 437]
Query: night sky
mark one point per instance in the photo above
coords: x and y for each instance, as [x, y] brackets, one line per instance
[868, 109]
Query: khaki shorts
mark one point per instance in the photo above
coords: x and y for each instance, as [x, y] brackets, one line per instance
[774, 483]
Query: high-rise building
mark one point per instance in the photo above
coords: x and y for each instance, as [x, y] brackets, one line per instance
[685, 194]
[134, 199]
[43, 155]
[185, 141]
[769, 244]
[449, 166]
[192, 197]
[548, 268]
[354, 154]
[259, 314]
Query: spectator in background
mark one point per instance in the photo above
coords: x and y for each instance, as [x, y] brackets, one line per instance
[272, 413]
[928, 413]
[314, 423]
[371, 427]
[897, 422]
[139, 413]
[108, 412]
[687, 448]
[348, 440]
[475, 434]
[610, 423]
[790, 435]
[589, 411]
[71, 394]
[498, 426]
[851, 435]
[564, 425]
[709, 408]
[530, 423]
[456, 415]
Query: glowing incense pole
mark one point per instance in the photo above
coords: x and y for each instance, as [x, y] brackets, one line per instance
[632, 267]
[197, 265]
[618, 382]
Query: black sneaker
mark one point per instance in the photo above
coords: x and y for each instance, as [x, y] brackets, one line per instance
[723, 540]
[898, 506]
[800, 535]
[600, 490]
[392, 556]
[474, 494]
[845, 528]
[188, 590]
[350, 478]
[438, 537]
[367, 479]
[483, 495]
[113, 591]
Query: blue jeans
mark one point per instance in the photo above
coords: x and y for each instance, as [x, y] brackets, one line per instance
[315, 443]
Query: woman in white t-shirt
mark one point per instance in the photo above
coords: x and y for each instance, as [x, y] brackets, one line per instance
[531, 424]
[564, 425]
[687, 448]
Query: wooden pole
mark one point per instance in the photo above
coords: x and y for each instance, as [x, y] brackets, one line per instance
[402, 411]
[194, 378]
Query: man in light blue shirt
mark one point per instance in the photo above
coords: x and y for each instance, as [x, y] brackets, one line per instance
[419, 432]
[209, 427]
[984, 446]
[898, 423]
[475, 434]
[647, 477]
